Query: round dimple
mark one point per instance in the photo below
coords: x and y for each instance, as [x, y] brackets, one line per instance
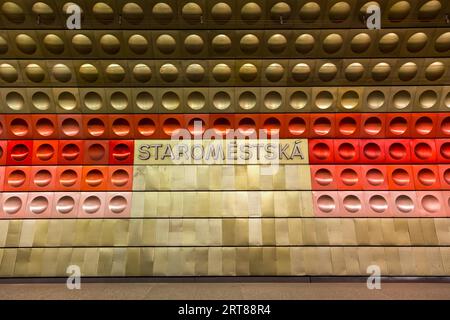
[221, 72]
[196, 126]
[378, 203]
[327, 72]
[354, 71]
[132, 13]
[166, 44]
[26, 44]
[446, 176]
[347, 126]
[424, 125]
[96, 127]
[372, 126]
[323, 177]
[339, 12]
[162, 13]
[332, 43]
[146, 127]
[221, 43]
[15, 101]
[247, 100]
[445, 126]
[251, 12]
[13, 12]
[45, 152]
[19, 152]
[272, 125]
[350, 99]
[34, 72]
[398, 125]
[401, 177]
[195, 72]
[115, 72]
[221, 12]
[402, 99]
[221, 100]
[91, 204]
[119, 100]
[372, 151]
[399, 11]
[138, 44]
[70, 127]
[381, 71]
[388, 42]
[274, 72]
[407, 71]
[38, 205]
[423, 151]
[248, 72]
[360, 43]
[249, 43]
[397, 151]
[3, 45]
[273, 100]
[347, 151]
[326, 204]
[82, 44]
[42, 178]
[120, 178]
[67, 101]
[445, 150]
[417, 42]
[117, 204]
[45, 127]
[70, 152]
[193, 44]
[65, 205]
[170, 100]
[121, 127]
[304, 43]
[61, 72]
[324, 100]
[12, 205]
[301, 72]
[103, 13]
[309, 12]
[298, 100]
[435, 71]
[142, 72]
[221, 125]
[168, 72]
[53, 43]
[321, 126]
[431, 204]
[349, 177]
[247, 126]
[8, 73]
[375, 177]
[68, 178]
[428, 99]
[192, 12]
[16, 178]
[96, 151]
[426, 177]
[352, 203]
[93, 101]
[442, 43]
[429, 10]
[144, 100]
[94, 178]
[321, 151]
[19, 127]
[171, 126]
[88, 72]
[277, 43]
[297, 126]
[280, 11]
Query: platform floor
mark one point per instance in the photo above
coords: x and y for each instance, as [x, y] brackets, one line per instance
[229, 291]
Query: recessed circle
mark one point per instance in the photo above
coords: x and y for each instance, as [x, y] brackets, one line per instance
[144, 100]
[170, 100]
[326, 204]
[247, 100]
[15, 101]
[19, 127]
[117, 204]
[12, 205]
[221, 100]
[196, 100]
[435, 71]
[146, 126]
[402, 99]
[431, 204]
[397, 151]
[93, 101]
[401, 177]
[221, 12]
[70, 152]
[121, 127]
[375, 177]
[96, 151]
[349, 177]
[324, 100]
[68, 178]
[378, 203]
[321, 126]
[321, 151]
[96, 127]
[45, 152]
[67, 101]
[38, 205]
[16, 178]
[297, 126]
[65, 205]
[352, 203]
[372, 151]
[45, 127]
[120, 178]
[423, 151]
[94, 178]
[42, 178]
[91, 205]
[426, 176]
[347, 151]
[251, 12]
[323, 177]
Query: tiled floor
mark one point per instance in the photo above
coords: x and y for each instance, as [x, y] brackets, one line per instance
[231, 291]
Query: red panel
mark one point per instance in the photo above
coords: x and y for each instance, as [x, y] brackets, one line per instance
[17, 178]
[95, 126]
[443, 150]
[400, 177]
[398, 151]
[45, 126]
[348, 125]
[346, 151]
[2, 180]
[121, 126]
[426, 177]
[96, 152]
[3, 151]
[322, 125]
[45, 152]
[19, 152]
[444, 176]
[146, 126]
[297, 125]
[70, 152]
[423, 151]
[373, 151]
[43, 178]
[398, 125]
[196, 124]
[443, 125]
[19, 126]
[374, 177]
[373, 125]
[321, 151]
[424, 125]
[323, 177]
[120, 178]
[94, 178]
[349, 177]
[3, 127]
[271, 125]
[221, 123]
[70, 126]
[68, 178]
[171, 124]
[247, 125]
[121, 152]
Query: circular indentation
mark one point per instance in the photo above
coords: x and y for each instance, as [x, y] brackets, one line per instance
[324, 100]
[347, 151]
[67, 101]
[349, 177]
[375, 99]
[61, 72]
[298, 100]
[170, 100]
[196, 100]
[96, 151]
[388, 42]
[375, 177]
[146, 126]
[26, 44]
[16, 178]
[378, 203]
[277, 43]
[166, 44]
[35, 72]
[350, 99]
[297, 126]
[428, 99]
[45, 152]
[121, 127]
[352, 203]
[381, 71]
[401, 99]
[171, 126]
[354, 71]
[38, 205]
[8, 73]
[445, 125]
[119, 100]
[70, 152]
[221, 12]
[19, 127]
[280, 11]
[304, 43]
[82, 44]
[195, 72]
[407, 71]
[221, 125]
[15, 101]
[162, 13]
[221, 72]
[447, 176]
[347, 126]
[103, 13]
[142, 72]
[144, 100]
[68, 178]
[91, 204]
[301, 72]
[321, 126]
[309, 12]
[138, 44]
[12, 205]
[115, 72]
[326, 204]
[332, 43]
[94, 178]
[429, 10]
[121, 152]
[40, 100]
[45, 127]
[251, 12]
[249, 43]
[88, 72]
[247, 126]
[399, 11]
[65, 205]
[321, 151]
[221, 43]
[168, 72]
[42, 178]
[53, 43]
[93, 101]
[417, 42]
[426, 176]
[423, 151]
[431, 204]
[120, 178]
[221, 100]
[274, 72]
[424, 125]
[372, 126]
[442, 43]
[272, 125]
[397, 151]
[70, 127]
[193, 44]
[132, 13]
[435, 71]
[117, 204]
[339, 12]
[327, 72]
[3, 45]
[398, 125]
[192, 12]
[247, 100]
[272, 100]
[372, 151]
[323, 177]
[196, 126]
[360, 43]
[96, 127]
[13, 12]
[401, 177]
[445, 150]
[248, 72]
